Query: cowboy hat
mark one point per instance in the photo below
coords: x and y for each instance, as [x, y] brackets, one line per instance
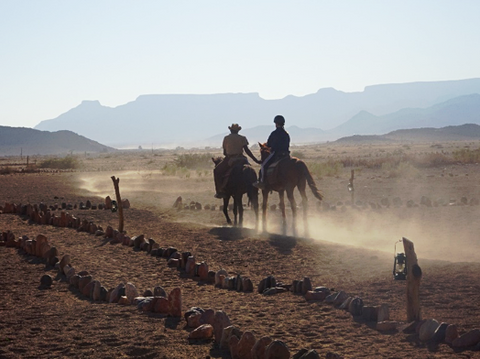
[235, 127]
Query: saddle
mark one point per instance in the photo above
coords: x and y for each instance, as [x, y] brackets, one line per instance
[272, 174]
[232, 163]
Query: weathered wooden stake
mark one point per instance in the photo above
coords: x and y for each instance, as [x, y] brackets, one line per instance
[414, 274]
[119, 203]
[351, 189]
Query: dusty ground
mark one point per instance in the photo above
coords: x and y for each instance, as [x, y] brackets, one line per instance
[347, 249]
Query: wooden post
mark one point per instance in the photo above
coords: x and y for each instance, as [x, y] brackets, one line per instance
[119, 203]
[351, 189]
[414, 274]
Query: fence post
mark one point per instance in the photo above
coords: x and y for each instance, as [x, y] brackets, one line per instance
[351, 189]
[119, 202]
[414, 274]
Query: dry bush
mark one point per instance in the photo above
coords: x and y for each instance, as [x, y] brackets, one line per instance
[68, 162]
[391, 161]
[467, 156]
[373, 163]
[194, 161]
[435, 159]
[6, 170]
[325, 169]
[298, 154]
[401, 170]
[172, 169]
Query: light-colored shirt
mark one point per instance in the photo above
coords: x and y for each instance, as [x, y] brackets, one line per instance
[233, 144]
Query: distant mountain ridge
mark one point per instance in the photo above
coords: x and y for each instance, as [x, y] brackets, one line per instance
[16, 140]
[195, 119]
[465, 132]
[456, 111]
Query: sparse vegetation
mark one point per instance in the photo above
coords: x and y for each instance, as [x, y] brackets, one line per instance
[393, 160]
[329, 168]
[68, 162]
[194, 161]
[298, 154]
[6, 170]
[183, 164]
[467, 155]
[402, 169]
[171, 169]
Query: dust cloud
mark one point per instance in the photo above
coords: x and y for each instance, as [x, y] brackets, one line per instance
[436, 235]
[147, 187]
[449, 233]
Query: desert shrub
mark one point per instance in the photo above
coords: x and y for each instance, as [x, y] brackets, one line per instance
[6, 170]
[68, 162]
[373, 163]
[325, 169]
[194, 161]
[298, 154]
[393, 160]
[401, 169]
[434, 159]
[203, 173]
[467, 155]
[171, 169]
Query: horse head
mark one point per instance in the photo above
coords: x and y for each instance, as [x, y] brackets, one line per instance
[264, 151]
[216, 160]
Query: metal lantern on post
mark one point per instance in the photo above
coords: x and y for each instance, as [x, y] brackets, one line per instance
[399, 264]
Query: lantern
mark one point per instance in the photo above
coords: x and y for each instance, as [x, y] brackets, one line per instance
[114, 206]
[399, 264]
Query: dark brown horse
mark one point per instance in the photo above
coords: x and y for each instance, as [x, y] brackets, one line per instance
[289, 173]
[240, 181]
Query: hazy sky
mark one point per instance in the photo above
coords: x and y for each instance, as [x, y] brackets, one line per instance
[55, 54]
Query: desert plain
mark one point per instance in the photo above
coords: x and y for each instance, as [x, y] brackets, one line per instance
[349, 247]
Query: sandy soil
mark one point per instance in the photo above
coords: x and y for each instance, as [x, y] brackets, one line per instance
[347, 249]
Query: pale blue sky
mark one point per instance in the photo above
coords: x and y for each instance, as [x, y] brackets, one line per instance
[55, 54]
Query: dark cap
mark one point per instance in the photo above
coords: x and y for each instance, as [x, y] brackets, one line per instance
[279, 119]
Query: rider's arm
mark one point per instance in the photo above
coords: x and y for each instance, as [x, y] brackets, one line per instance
[250, 154]
[224, 146]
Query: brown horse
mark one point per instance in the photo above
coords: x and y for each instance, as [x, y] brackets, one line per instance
[289, 173]
[240, 181]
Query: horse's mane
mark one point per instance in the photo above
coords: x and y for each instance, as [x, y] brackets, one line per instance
[264, 148]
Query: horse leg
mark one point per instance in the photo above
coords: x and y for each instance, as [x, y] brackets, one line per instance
[293, 205]
[305, 212]
[281, 197]
[225, 210]
[264, 210]
[240, 210]
[255, 210]
[235, 210]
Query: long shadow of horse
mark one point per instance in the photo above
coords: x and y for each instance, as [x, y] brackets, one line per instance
[283, 244]
[232, 233]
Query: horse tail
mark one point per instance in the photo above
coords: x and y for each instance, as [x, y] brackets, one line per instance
[311, 183]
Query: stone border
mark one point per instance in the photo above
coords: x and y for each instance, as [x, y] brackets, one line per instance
[427, 330]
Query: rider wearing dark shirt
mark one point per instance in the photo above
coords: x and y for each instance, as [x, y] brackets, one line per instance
[279, 143]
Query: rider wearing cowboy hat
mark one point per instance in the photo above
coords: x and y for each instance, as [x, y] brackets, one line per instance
[234, 146]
